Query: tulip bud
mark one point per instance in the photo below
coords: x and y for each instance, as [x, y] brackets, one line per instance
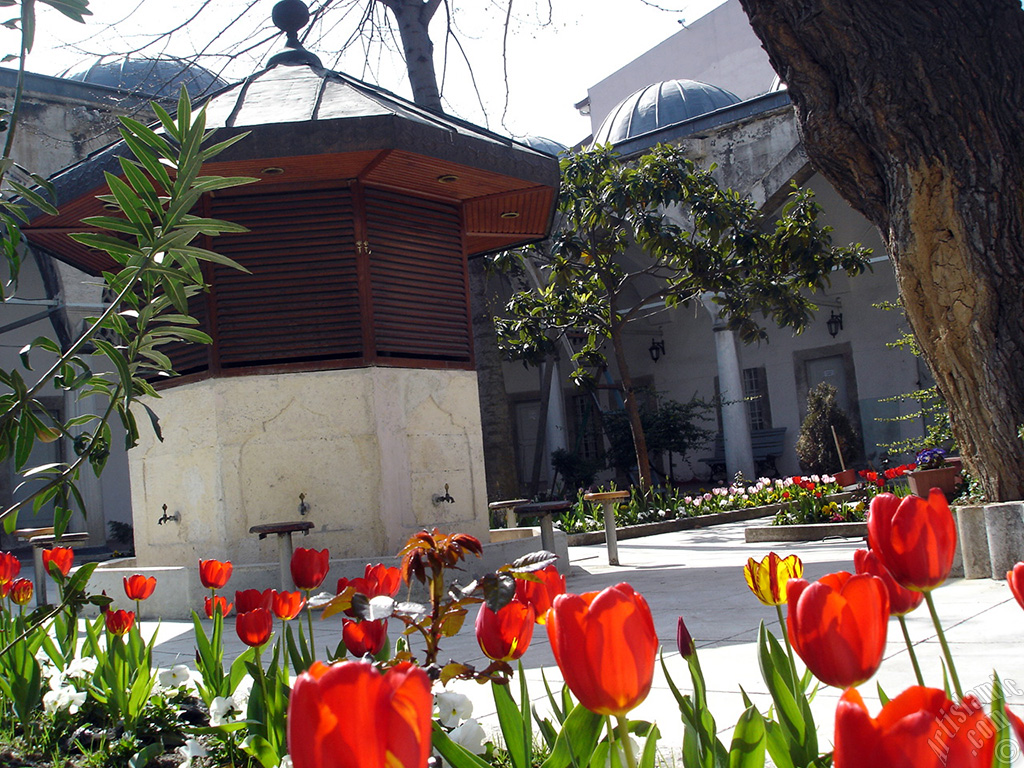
[684, 641]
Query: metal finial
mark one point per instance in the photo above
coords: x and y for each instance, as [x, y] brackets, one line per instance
[290, 16]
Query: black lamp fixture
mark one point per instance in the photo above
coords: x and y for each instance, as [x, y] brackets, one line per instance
[834, 324]
[657, 349]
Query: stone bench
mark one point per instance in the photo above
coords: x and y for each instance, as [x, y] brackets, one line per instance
[284, 532]
[544, 510]
[40, 539]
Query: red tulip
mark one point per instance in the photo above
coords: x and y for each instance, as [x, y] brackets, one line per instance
[217, 601]
[10, 567]
[364, 637]
[838, 625]
[250, 599]
[914, 538]
[5, 588]
[919, 728]
[1015, 579]
[254, 627]
[286, 605]
[138, 587]
[21, 591]
[605, 645]
[214, 574]
[64, 557]
[376, 580]
[120, 622]
[901, 600]
[505, 635]
[540, 594]
[391, 725]
[310, 567]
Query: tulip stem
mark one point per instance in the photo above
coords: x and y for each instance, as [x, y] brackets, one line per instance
[910, 649]
[944, 644]
[789, 650]
[309, 620]
[627, 748]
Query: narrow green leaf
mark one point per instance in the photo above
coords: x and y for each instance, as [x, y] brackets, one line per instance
[577, 740]
[119, 361]
[749, 741]
[33, 197]
[511, 722]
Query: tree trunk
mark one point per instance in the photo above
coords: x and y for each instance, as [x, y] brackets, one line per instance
[413, 17]
[912, 111]
[643, 463]
[495, 414]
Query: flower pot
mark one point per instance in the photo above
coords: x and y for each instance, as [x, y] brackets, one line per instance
[846, 478]
[945, 478]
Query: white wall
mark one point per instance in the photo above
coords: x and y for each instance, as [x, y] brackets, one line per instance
[720, 49]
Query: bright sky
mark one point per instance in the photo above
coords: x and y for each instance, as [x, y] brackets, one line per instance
[550, 66]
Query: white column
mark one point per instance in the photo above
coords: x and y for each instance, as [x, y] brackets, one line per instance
[557, 435]
[739, 456]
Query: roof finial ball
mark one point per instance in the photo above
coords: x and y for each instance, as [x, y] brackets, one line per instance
[290, 16]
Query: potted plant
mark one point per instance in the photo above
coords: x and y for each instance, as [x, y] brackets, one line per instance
[934, 470]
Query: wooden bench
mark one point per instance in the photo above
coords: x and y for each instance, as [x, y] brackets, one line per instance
[767, 447]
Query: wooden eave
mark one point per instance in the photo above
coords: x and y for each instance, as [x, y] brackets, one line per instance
[506, 192]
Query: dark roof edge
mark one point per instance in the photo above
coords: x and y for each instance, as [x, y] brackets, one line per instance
[734, 113]
[58, 86]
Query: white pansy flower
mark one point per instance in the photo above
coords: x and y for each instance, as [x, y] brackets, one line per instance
[66, 698]
[241, 694]
[452, 708]
[471, 736]
[189, 751]
[177, 675]
[221, 709]
[286, 762]
[381, 607]
[83, 666]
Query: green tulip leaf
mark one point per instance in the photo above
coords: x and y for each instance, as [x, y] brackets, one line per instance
[578, 739]
[748, 741]
[1003, 748]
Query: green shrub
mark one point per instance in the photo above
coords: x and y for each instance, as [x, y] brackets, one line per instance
[816, 446]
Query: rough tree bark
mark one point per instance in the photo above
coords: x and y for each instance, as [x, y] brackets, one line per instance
[413, 17]
[912, 110]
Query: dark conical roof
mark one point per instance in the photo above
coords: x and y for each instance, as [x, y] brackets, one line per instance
[660, 105]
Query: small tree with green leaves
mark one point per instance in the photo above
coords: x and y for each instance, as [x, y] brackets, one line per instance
[158, 263]
[659, 230]
[816, 446]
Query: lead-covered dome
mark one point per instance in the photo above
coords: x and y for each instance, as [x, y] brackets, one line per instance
[545, 145]
[159, 77]
[660, 105]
